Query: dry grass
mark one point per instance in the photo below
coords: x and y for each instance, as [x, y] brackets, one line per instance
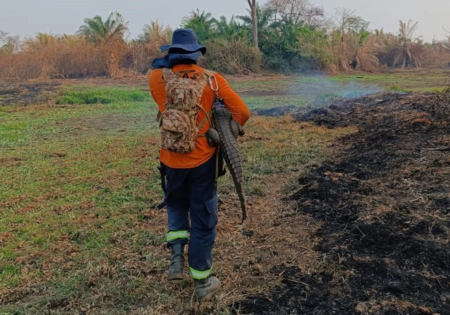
[74, 57]
[439, 105]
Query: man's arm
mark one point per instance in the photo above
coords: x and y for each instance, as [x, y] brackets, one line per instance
[157, 88]
[232, 101]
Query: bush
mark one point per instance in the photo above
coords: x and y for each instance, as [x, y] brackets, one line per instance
[143, 54]
[436, 55]
[231, 57]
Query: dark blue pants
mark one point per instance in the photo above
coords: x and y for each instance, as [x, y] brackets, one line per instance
[191, 200]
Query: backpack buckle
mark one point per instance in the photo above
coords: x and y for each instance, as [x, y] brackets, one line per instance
[210, 82]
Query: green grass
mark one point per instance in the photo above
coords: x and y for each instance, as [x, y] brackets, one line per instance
[89, 95]
[26, 127]
[72, 177]
[9, 274]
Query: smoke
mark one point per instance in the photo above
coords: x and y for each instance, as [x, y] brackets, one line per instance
[320, 88]
[311, 92]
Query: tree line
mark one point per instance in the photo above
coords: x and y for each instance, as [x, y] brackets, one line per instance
[281, 36]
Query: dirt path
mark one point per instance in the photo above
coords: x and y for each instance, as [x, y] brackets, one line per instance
[246, 255]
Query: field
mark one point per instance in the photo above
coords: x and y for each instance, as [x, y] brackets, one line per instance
[348, 205]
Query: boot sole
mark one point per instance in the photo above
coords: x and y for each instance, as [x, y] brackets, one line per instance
[176, 276]
[208, 297]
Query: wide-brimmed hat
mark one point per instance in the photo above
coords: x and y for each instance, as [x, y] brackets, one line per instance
[186, 40]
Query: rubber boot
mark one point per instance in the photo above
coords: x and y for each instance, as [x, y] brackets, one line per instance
[176, 262]
[206, 288]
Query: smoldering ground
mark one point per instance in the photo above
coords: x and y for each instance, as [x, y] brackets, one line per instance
[311, 92]
[383, 207]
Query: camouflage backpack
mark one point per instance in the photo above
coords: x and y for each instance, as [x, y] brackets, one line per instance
[178, 122]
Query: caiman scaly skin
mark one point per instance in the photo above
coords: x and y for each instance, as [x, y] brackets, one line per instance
[222, 120]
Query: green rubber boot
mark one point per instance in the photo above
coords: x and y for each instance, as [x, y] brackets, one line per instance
[205, 289]
[176, 262]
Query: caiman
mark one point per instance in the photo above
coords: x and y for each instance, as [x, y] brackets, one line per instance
[224, 134]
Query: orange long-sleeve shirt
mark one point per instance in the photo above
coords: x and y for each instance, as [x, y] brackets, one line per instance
[203, 152]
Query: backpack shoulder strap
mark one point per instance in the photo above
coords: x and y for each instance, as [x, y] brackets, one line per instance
[208, 73]
[210, 78]
[166, 72]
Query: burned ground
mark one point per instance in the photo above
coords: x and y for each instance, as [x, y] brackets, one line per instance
[276, 111]
[26, 93]
[384, 208]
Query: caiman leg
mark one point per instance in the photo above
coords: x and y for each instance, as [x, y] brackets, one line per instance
[230, 151]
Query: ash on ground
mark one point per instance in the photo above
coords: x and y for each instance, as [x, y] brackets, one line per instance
[384, 205]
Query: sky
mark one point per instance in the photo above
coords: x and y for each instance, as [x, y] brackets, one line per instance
[28, 17]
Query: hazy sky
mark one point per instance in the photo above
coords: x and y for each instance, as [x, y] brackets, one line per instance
[27, 17]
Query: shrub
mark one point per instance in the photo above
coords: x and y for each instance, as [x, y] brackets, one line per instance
[231, 57]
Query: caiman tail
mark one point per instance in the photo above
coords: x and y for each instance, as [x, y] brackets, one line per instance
[228, 131]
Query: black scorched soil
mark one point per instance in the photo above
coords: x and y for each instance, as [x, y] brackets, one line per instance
[385, 207]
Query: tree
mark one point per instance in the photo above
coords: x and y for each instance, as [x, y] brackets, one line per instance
[8, 44]
[348, 22]
[4, 49]
[297, 11]
[202, 23]
[253, 8]
[405, 38]
[357, 47]
[263, 17]
[363, 49]
[231, 30]
[45, 38]
[3, 36]
[155, 32]
[98, 31]
[203, 17]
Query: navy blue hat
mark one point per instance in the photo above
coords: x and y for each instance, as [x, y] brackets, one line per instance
[186, 40]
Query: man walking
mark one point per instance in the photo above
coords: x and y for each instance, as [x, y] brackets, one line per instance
[185, 93]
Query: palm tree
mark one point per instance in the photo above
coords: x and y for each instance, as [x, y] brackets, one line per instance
[230, 30]
[253, 11]
[263, 17]
[45, 38]
[156, 32]
[363, 50]
[98, 31]
[405, 38]
[202, 23]
[203, 17]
